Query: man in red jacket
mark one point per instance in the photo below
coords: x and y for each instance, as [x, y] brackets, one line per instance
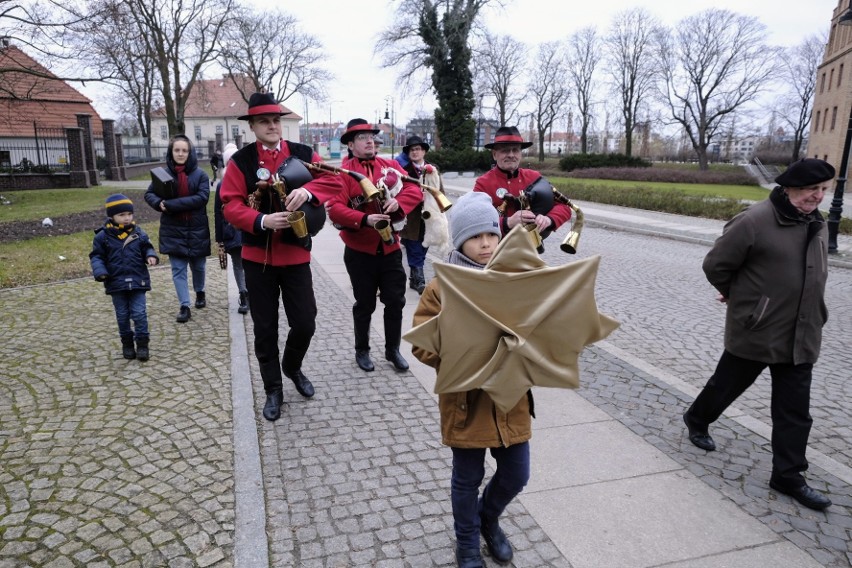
[276, 262]
[508, 180]
[373, 264]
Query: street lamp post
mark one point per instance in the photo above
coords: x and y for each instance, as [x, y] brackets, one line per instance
[837, 201]
[479, 123]
[390, 116]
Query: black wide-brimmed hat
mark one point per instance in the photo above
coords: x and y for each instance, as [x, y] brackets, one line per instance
[262, 103]
[508, 135]
[415, 141]
[806, 172]
[357, 126]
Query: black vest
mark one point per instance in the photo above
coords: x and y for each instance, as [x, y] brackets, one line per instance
[247, 161]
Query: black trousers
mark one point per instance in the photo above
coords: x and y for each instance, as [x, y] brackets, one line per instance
[294, 285]
[790, 406]
[370, 273]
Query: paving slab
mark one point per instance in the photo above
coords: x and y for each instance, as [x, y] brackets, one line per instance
[642, 521]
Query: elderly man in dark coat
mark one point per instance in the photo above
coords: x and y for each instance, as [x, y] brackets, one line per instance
[770, 267]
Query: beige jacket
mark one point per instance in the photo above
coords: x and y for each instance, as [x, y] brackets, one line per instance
[470, 419]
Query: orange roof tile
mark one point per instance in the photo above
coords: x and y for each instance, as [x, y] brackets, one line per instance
[26, 98]
[214, 98]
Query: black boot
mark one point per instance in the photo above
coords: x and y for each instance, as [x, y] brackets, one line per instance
[270, 372]
[272, 408]
[417, 281]
[291, 365]
[244, 308]
[200, 300]
[495, 539]
[362, 347]
[393, 335]
[183, 315]
[469, 558]
[142, 349]
[127, 349]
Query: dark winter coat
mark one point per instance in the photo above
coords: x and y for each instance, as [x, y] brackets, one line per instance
[184, 226]
[121, 264]
[225, 232]
[771, 263]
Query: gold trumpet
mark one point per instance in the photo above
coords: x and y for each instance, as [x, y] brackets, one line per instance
[442, 200]
[369, 190]
[569, 245]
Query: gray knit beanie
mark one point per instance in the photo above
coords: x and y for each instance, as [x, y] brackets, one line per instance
[472, 214]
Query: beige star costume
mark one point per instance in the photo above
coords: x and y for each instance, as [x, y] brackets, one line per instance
[515, 324]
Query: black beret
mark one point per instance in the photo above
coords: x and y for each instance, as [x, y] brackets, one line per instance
[806, 172]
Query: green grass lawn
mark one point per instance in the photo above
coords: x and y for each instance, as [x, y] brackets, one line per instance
[51, 259]
[740, 192]
[41, 203]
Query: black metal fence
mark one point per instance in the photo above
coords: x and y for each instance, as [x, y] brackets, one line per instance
[139, 153]
[45, 151]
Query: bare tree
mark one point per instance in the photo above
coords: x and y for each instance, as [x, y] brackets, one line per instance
[629, 49]
[119, 49]
[800, 76]
[713, 63]
[42, 29]
[284, 63]
[498, 67]
[549, 89]
[583, 58]
[182, 38]
[434, 34]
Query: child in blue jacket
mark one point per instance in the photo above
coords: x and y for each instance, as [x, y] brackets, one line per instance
[120, 257]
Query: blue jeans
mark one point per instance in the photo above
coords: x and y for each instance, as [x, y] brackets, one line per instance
[198, 266]
[513, 472]
[131, 306]
[415, 251]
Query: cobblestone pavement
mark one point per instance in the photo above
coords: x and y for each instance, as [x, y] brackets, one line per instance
[109, 462]
[357, 476]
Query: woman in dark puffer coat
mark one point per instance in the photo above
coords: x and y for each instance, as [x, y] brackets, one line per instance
[184, 227]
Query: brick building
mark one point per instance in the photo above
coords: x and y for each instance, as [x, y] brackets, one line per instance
[833, 95]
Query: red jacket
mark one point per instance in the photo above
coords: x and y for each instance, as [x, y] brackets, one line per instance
[515, 183]
[234, 193]
[349, 210]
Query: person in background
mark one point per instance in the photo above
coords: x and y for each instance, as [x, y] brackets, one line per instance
[414, 230]
[217, 162]
[184, 226]
[470, 422]
[120, 257]
[277, 266]
[228, 238]
[770, 267]
[373, 264]
[510, 179]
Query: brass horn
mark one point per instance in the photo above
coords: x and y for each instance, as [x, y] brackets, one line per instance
[442, 200]
[569, 245]
[369, 190]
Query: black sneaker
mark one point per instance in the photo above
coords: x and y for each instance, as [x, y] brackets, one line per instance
[200, 300]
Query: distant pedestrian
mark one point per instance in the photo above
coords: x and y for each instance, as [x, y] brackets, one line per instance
[507, 180]
[414, 231]
[184, 226]
[770, 267]
[470, 422]
[120, 257]
[217, 162]
[228, 238]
